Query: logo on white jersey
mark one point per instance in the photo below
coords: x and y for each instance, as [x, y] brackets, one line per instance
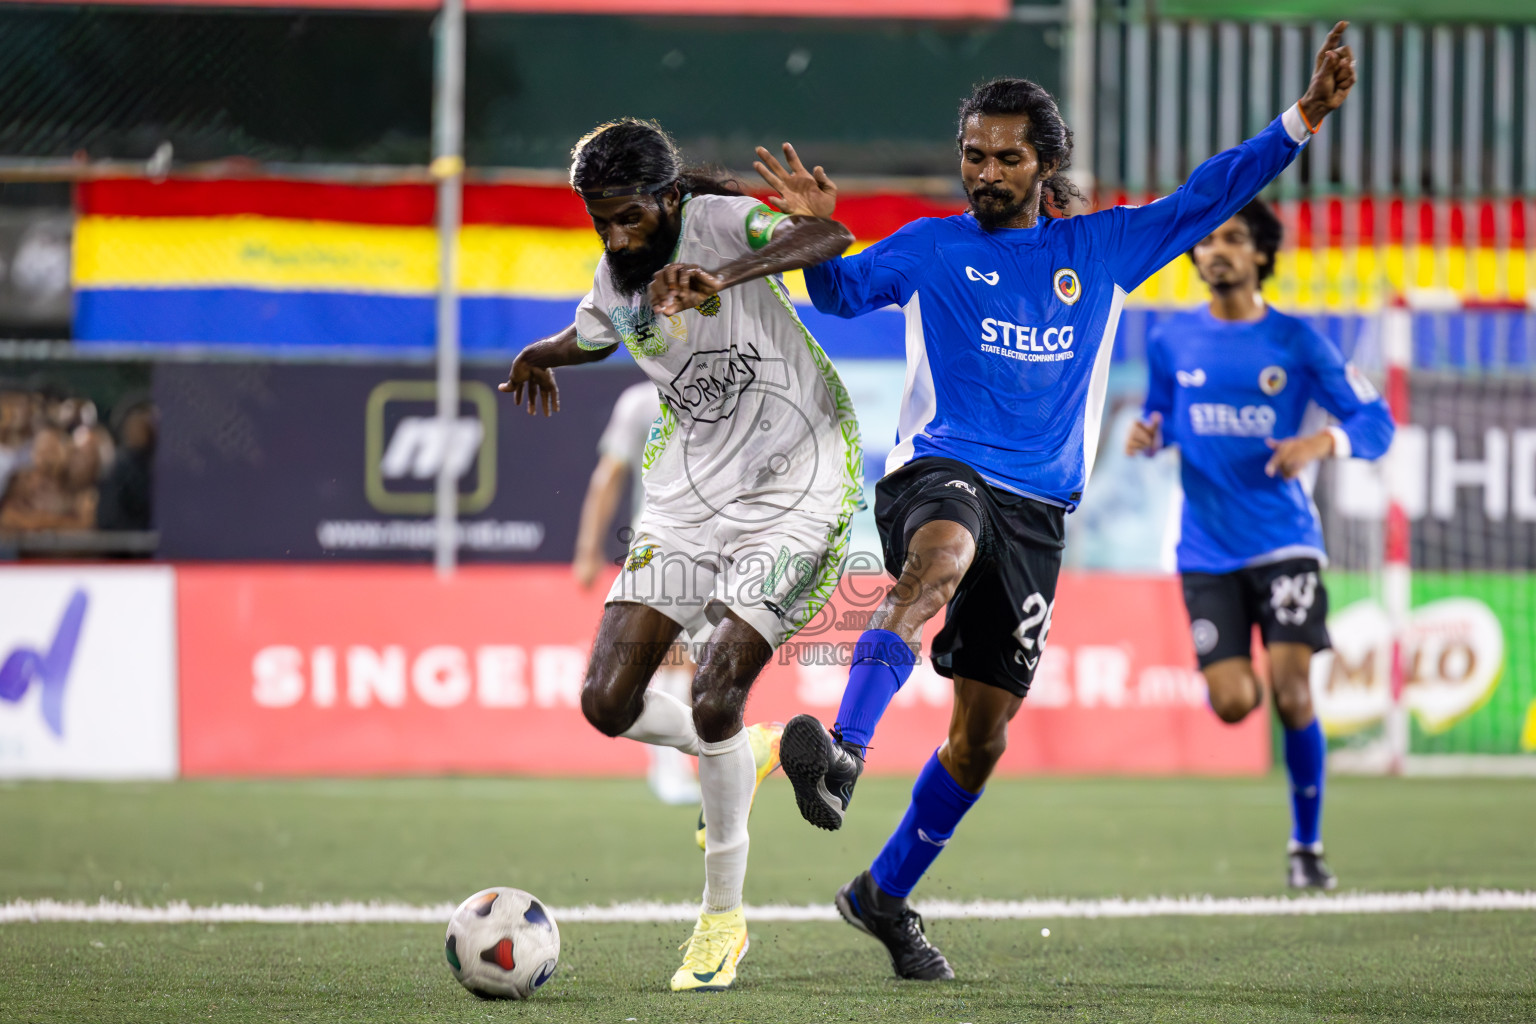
[710, 384]
[1272, 380]
[637, 326]
[1067, 286]
[976, 275]
[1191, 378]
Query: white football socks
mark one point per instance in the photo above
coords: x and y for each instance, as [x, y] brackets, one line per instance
[664, 721]
[671, 774]
[726, 776]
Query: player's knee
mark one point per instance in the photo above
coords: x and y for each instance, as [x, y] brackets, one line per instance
[717, 713]
[1232, 703]
[605, 708]
[939, 571]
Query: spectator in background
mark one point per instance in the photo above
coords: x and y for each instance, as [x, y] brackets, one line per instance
[15, 431]
[47, 495]
[126, 491]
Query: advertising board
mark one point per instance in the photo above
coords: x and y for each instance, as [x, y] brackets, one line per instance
[342, 670]
[87, 673]
[339, 462]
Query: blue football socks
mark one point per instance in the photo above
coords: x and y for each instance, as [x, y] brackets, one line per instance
[938, 804]
[882, 662]
[1305, 751]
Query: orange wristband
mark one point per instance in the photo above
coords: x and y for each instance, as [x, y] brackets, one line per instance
[1310, 130]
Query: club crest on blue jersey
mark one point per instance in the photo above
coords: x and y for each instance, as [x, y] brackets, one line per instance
[1067, 286]
[1272, 380]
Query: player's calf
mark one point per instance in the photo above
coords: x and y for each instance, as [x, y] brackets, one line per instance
[1290, 670]
[978, 732]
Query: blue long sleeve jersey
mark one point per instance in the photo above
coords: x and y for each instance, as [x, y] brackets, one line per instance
[1009, 331]
[1224, 389]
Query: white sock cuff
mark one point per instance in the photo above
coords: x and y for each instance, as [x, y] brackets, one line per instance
[719, 905]
[725, 746]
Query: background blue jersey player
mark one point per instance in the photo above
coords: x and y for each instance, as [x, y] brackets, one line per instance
[1010, 321]
[1237, 386]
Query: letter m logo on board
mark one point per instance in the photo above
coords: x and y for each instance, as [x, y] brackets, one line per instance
[407, 447]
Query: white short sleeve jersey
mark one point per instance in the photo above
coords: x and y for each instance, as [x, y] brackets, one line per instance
[752, 409]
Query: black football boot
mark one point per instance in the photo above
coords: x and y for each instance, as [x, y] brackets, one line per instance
[1308, 870]
[822, 769]
[898, 927]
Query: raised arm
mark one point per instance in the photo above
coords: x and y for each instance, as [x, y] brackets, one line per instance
[1142, 239]
[797, 242]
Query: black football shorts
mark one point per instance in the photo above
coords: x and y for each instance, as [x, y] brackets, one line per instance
[995, 625]
[1285, 599]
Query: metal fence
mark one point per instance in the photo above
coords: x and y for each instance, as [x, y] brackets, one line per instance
[1445, 111]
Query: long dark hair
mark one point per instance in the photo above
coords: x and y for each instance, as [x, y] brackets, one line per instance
[1048, 133]
[631, 154]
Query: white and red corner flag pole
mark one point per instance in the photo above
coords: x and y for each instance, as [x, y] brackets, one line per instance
[1397, 574]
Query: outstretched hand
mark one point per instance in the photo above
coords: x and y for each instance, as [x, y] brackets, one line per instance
[808, 193]
[680, 286]
[1333, 75]
[537, 382]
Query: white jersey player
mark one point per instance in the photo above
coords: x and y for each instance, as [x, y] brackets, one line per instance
[751, 474]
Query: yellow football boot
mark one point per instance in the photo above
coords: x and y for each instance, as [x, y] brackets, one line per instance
[718, 943]
[764, 739]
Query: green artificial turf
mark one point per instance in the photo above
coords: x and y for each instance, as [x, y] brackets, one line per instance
[1420, 967]
[436, 841]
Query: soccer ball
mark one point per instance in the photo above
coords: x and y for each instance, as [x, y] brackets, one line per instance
[502, 944]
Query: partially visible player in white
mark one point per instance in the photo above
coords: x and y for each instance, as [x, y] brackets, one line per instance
[752, 474]
[619, 451]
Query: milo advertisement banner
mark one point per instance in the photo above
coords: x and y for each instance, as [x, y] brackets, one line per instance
[1469, 666]
[1464, 472]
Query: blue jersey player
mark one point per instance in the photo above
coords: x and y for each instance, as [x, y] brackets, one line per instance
[1239, 388]
[1010, 320]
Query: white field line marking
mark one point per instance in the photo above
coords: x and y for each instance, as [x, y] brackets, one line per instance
[988, 910]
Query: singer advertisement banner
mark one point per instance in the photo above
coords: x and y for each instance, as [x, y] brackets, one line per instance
[352, 670]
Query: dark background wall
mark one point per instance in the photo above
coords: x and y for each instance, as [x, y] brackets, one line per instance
[867, 96]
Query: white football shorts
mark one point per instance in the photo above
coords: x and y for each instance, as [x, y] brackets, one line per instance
[774, 568]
